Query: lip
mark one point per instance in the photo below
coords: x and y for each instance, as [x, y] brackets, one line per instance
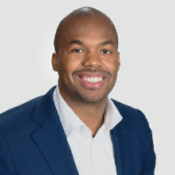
[89, 85]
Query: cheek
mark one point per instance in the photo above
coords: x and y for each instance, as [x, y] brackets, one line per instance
[112, 65]
[72, 64]
[68, 66]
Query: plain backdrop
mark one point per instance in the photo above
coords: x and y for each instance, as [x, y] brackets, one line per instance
[146, 43]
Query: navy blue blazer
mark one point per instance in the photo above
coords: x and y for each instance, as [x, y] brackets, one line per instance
[33, 142]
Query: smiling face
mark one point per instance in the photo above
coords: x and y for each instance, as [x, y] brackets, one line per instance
[87, 60]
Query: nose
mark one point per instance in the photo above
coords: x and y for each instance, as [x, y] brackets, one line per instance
[92, 60]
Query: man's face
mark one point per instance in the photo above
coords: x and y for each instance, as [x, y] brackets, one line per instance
[87, 60]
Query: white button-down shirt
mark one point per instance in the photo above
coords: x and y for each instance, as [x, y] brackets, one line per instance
[92, 156]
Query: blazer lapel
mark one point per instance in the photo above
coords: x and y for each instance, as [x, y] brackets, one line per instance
[121, 141]
[51, 139]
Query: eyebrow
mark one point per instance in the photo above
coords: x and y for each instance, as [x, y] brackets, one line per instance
[107, 42]
[74, 41]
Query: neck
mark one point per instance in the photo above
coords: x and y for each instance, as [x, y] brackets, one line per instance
[92, 114]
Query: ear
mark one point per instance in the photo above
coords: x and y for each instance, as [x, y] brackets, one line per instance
[55, 62]
[118, 60]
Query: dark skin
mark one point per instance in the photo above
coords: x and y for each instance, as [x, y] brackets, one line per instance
[87, 48]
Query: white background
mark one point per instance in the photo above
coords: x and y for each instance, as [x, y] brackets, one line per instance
[146, 79]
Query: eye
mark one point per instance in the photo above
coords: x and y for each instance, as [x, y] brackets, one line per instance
[78, 50]
[105, 51]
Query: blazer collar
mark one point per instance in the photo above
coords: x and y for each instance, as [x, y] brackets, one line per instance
[122, 142]
[50, 137]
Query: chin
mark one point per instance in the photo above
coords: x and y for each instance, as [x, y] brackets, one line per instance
[91, 99]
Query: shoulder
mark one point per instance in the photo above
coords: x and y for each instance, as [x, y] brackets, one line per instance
[28, 107]
[133, 116]
[127, 111]
[25, 107]
[135, 122]
[20, 118]
[18, 115]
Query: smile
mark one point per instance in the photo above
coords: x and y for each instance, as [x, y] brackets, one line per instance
[92, 79]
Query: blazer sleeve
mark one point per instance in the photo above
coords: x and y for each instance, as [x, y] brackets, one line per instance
[150, 154]
[6, 159]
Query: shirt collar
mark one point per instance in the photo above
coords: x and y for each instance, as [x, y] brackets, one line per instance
[70, 121]
[112, 115]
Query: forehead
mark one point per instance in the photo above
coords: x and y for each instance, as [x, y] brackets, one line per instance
[94, 27]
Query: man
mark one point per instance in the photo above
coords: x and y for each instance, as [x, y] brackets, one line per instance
[75, 128]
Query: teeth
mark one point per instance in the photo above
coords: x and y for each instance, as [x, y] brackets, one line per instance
[92, 79]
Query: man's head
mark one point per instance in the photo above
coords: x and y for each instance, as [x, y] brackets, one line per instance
[86, 58]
